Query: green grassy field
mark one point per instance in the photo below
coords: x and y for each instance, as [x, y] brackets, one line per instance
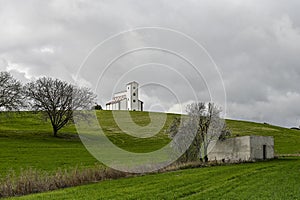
[277, 179]
[26, 142]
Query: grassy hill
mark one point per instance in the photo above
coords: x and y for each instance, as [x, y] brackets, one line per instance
[26, 140]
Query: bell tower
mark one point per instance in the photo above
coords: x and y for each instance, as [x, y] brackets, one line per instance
[132, 96]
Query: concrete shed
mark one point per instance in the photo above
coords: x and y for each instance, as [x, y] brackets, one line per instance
[246, 148]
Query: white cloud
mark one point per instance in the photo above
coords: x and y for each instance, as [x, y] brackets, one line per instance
[81, 82]
[179, 108]
[16, 69]
[47, 50]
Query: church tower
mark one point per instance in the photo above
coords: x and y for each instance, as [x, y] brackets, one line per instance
[132, 96]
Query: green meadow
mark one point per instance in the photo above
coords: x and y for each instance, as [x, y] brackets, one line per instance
[277, 179]
[26, 141]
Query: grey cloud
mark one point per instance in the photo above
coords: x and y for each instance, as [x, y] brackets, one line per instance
[254, 43]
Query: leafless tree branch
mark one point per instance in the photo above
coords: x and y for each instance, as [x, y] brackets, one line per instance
[11, 95]
[59, 100]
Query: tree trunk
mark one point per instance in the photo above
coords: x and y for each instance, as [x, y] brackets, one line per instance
[55, 131]
[205, 158]
[205, 153]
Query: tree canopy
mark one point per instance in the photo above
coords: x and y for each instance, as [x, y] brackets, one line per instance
[59, 100]
[11, 92]
[202, 126]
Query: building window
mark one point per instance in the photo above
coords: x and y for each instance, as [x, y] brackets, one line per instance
[134, 88]
[133, 94]
[133, 100]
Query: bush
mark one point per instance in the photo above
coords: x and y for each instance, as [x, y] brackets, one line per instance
[97, 107]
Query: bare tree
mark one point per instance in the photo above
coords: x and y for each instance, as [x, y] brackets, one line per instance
[212, 128]
[59, 100]
[204, 125]
[11, 96]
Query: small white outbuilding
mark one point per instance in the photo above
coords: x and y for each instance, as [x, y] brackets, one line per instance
[246, 148]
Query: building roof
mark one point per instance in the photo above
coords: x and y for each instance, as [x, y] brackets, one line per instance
[112, 102]
[131, 82]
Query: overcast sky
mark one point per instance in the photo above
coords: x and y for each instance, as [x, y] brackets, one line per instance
[250, 46]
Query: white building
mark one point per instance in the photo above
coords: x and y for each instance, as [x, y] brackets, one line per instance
[126, 100]
[246, 148]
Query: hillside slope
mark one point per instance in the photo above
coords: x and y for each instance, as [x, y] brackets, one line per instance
[287, 141]
[26, 140]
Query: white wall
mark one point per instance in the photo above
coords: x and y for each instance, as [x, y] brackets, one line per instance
[123, 104]
[257, 143]
[232, 149]
[132, 96]
[242, 149]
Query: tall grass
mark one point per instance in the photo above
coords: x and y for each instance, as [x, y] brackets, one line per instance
[35, 181]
